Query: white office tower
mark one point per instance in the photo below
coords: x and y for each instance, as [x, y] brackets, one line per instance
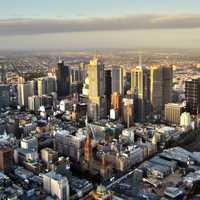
[34, 103]
[56, 185]
[24, 91]
[185, 119]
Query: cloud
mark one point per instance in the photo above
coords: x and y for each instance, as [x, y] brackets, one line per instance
[134, 22]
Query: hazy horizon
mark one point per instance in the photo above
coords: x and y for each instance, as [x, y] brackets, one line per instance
[87, 24]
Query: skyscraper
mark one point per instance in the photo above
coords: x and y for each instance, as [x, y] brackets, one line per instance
[140, 87]
[97, 99]
[117, 80]
[4, 95]
[161, 87]
[51, 85]
[167, 84]
[96, 78]
[128, 111]
[25, 90]
[34, 102]
[157, 89]
[108, 88]
[41, 86]
[192, 96]
[116, 101]
[63, 79]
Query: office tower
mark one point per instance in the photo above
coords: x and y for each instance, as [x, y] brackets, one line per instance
[51, 85]
[47, 101]
[127, 83]
[128, 111]
[34, 103]
[157, 86]
[75, 74]
[161, 87]
[108, 88]
[192, 96]
[56, 185]
[115, 111]
[140, 87]
[4, 95]
[117, 80]
[63, 79]
[96, 78]
[76, 83]
[6, 158]
[167, 84]
[97, 99]
[46, 85]
[83, 68]
[116, 101]
[41, 86]
[24, 91]
[173, 112]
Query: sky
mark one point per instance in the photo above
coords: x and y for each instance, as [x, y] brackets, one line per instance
[81, 24]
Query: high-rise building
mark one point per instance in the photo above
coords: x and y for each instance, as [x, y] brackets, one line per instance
[161, 87]
[75, 75]
[76, 82]
[41, 86]
[156, 89]
[97, 99]
[63, 79]
[140, 87]
[4, 95]
[96, 78]
[128, 111]
[56, 185]
[24, 91]
[192, 96]
[117, 80]
[173, 112]
[34, 102]
[116, 101]
[167, 84]
[108, 88]
[83, 68]
[127, 82]
[51, 85]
